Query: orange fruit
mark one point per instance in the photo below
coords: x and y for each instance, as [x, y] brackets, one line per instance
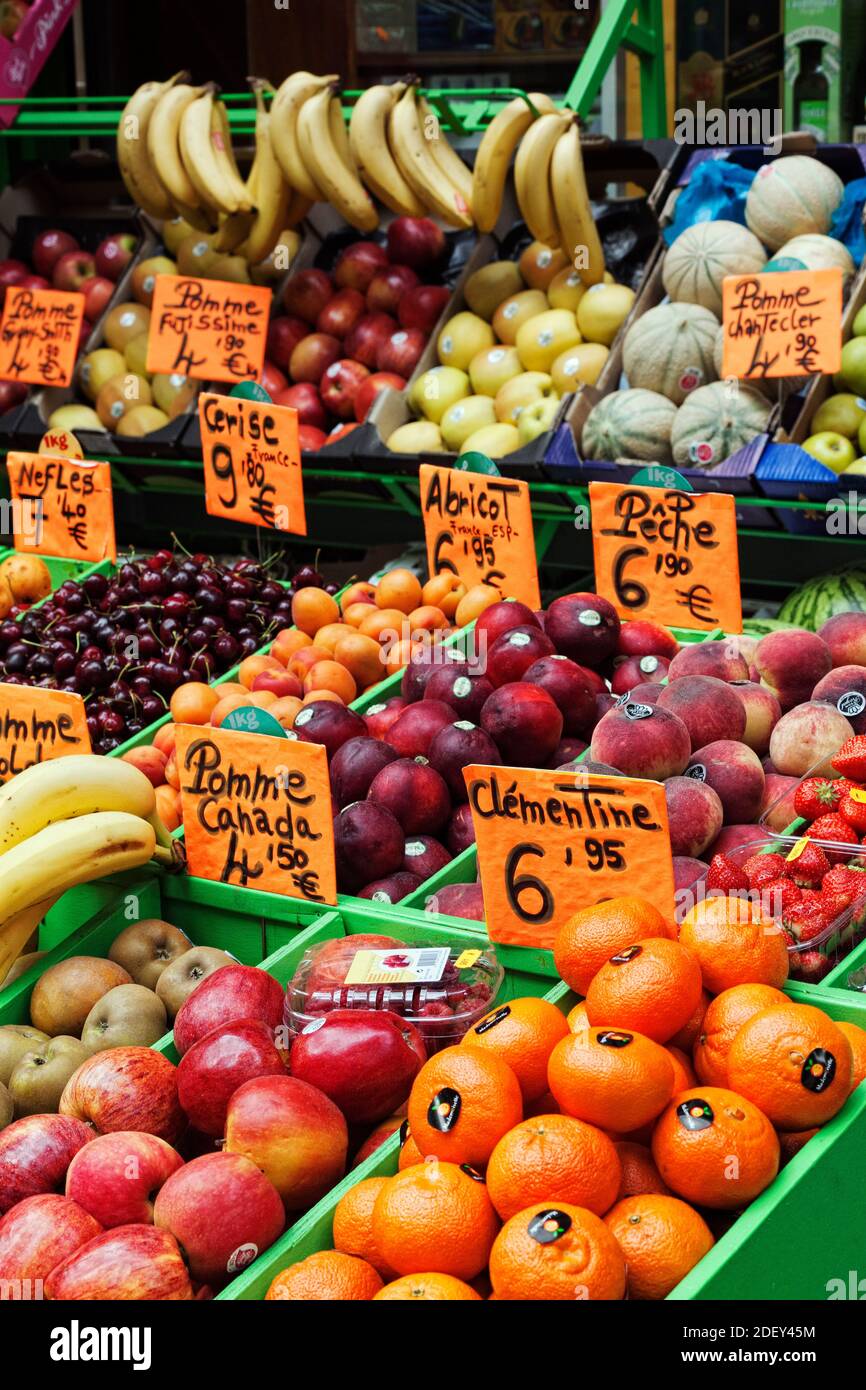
[639, 1173]
[792, 1141]
[734, 944]
[653, 986]
[168, 807]
[362, 657]
[474, 602]
[444, 591]
[683, 1071]
[715, 1148]
[329, 635]
[661, 1238]
[686, 1036]
[428, 1288]
[288, 641]
[723, 1020]
[462, 1102]
[793, 1062]
[553, 1250]
[381, 623]
[594, 934]
[857, 1038]
[353, 1223]
[193, 702]
[399, 588]
[553, 1158]
[312, 609]
[522, 1033]
[327, 1276]
[577, 1020]
[330, 675]
[410, 1154]
[435, 1216]
[611, 1078]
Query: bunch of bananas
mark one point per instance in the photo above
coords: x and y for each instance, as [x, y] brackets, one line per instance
[66, 822]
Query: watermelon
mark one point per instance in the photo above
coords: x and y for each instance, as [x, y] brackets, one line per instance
[759, 627]
[840, 591]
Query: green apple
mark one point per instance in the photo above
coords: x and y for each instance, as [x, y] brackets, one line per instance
[521, 391]
[853, 367]
[842, 413]
[858, 467]
[464, 418]
[419, 436]
[437, 389]
[493, 440]
[861, 436]
[859, 326]
[831, 449]
[537, 419]
[492, 367]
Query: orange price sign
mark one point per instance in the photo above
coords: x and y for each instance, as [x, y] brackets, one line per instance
[38, 725]
[785, 323]
[212, 330]
[479, 527]
[667, 555]
[252, 462]
[39, 335]
[257, 812]
[62, 506]
[550, 843]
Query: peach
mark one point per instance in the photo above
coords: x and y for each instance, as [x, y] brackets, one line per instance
[150, 761]
[168, 807]
[647, 694]
[642, 741]
[845, 635]
[369, 844]
[642, 638]
[777, 804]
[354, 766]
[763, 713]
[735, 772]
[720, 659]
[695, 815]
[305, 659]
[414, 793]
[845, 687]
[806, 738]
[791, 663]
[524, 722]
[707, 706]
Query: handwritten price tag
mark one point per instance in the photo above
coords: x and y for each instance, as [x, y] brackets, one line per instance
[70, 502]
[550, 843]
[39, 336]
[252, 462]
[667, 555]
[212, 330]
[38, 725]
[786, 323]
[257, 812]
[480, 528]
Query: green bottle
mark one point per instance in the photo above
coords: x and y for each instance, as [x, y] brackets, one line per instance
[812, 93]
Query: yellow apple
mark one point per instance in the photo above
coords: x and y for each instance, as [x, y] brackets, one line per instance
[140, 420]
[515, 311]
[460, 339]
[464, 418]
[493, 440]
[601, 311]
[539, 264]
[144, 277]
[99, 367]
[174, 231]
[75, 417]
[486, 288]
[543, 338]
[578, 366]
[419, 436]
[520, 391]
[536, 419]
[436, 389]
[566, 289]
[135, 353]
[492, 367]
[858, 467]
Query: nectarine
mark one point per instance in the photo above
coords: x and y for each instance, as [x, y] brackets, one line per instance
[150, 761]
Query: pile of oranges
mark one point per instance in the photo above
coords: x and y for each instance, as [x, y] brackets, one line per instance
[597, 1155]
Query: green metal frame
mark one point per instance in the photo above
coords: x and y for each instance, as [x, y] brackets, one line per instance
[643, 36]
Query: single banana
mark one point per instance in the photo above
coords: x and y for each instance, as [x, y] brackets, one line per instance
[221, 140]
[449, 161]
[15, 933]
[326, 166]
[368, 137]
[198, 152]
[268, 190]
[136, 170]
[579, 237]
[417, 165]
[285, 108]
[532, 177]
[498, 144]
[164, 150]
[65, 788]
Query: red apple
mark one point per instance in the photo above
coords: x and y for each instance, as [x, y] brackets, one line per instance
[35, 1153]
[354, 765]
[311, 439]
[388, 287]
[370, 388]
[421, 307]
[273, 380]
[524, 722]
[72, 269]
[284, 334]
[312, 357]
[293, 1133]
[305, 399]
[40, 1232]
[97, 291]
[12, 273]
[368, 335]
[12, 393]
[341, 313]
[223, 1211]
[126, 1088]
[212, 1070]
[35, 282]
[307, 293]
[114, 253]
[48, 247]
[230, 993]
[401, 351]
[357, 265]
[364, 1060]
[369, 844]
[130, 1263]
[339, 386]
[415, 241]
[117, 1176]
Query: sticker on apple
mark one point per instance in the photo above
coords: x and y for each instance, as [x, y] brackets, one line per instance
[242, 1257]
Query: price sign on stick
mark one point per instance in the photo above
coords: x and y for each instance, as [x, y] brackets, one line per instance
[785, 323]
[39, 336]
[257, 812]
[667, 555]
[480, 528]
[38, 725]
[64, 506]
[212, 330]
[252, 462]
[550, 843]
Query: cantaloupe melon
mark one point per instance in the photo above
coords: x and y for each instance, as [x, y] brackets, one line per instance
[632, 424]
[818, 253]
[790, 197]
[670, 349]
[715, 422]
[700, 258]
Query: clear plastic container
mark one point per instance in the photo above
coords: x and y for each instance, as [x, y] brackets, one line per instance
[443, 990]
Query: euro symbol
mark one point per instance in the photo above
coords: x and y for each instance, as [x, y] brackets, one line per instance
[697, 600]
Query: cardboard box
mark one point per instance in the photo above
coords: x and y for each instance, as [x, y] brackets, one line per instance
[824, 44]
[23, 56]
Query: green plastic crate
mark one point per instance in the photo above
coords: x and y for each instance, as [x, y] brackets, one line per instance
[62, 569]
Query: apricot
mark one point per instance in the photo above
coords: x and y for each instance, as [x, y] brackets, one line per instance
[312, 609]
[224, 688]
[284, 710]
[329, 635]
[193, 703]
[427, 617]
[172, 773]
[305, 658]
[444, 591]
[398, 656]
[164, 739]
[330, 675]
[359, 592]
[313, 695]
[252, 666]
[288, 641]
[362, 657]
[262, 699]
[168, 807]
[226, 706]
[384, 620]
[474, 602]
[355, 613]
[399, 588]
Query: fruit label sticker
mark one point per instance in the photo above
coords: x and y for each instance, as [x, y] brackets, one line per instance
[782, 323]
[38, 725]
[667, 555]
[252, 462]
[416, 966]
[257, 812]
[69, 503]
[480, 528]
[550, 843]
[212, 330]
[39, 336]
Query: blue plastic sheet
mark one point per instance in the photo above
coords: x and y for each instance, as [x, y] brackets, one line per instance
[847, 224]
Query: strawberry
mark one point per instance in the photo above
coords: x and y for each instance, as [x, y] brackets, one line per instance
[853, 812]
[809, 867]
[763, 868]
[814, 796]
[834, 829]
[845, 882]
[779, 895]
[810, 966]
[851, 758]
[807, 918]
[725, 875]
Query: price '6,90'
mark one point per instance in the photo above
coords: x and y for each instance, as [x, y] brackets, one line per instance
[530, 897]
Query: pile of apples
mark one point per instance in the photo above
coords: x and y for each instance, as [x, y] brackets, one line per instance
[531, 333]
[838, 438]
